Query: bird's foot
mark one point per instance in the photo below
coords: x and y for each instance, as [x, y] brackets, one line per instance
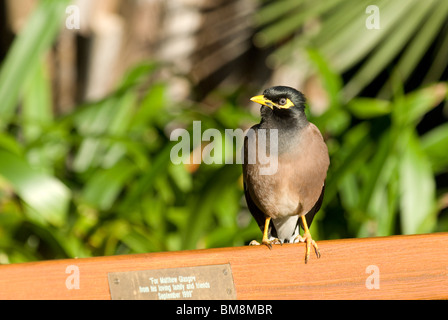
[254, 243]
[309, 242]
[266, 242]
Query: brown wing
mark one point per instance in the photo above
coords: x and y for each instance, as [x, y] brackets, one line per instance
[258, 215]
[318, 154]
[255, 211]
[310, 215]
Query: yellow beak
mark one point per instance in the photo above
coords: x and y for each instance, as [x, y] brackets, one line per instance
[263, 101]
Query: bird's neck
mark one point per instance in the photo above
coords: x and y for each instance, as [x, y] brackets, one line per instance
[285, 122]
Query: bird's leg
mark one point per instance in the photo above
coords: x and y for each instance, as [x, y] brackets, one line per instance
[265, 239]
[309, 241]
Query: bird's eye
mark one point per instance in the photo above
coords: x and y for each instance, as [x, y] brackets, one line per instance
[282, 101]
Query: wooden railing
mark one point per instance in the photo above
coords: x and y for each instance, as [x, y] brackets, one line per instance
[397, 267]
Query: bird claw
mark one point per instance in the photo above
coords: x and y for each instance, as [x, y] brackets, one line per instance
[267, 243]
[309, 242]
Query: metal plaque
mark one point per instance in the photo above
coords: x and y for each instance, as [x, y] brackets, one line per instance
[214, 282]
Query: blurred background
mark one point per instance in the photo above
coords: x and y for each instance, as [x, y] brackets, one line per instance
[90, 92]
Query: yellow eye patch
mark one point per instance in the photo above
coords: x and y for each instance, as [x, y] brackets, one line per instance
[269, 103]
[287, 105]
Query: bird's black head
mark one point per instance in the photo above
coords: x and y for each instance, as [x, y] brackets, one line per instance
[283, 102]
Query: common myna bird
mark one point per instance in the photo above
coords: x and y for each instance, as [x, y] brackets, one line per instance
[283, 200]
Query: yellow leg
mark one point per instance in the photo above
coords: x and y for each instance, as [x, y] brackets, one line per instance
[265, 240]
[309, 241]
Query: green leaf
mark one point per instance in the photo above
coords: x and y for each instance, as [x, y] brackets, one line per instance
[158, 167]
[390, 46]
[376, 167]
[275, 10]
[10, 144]
[423, 39]
[349, 191]
[26, 53]
[181, 177]
[205, 201]
[352, 41]
[417, 188]
[383, 200]
[103, 188]
[46, 195]
[332, 81]
[435, 145]
[357, 147]
[419, 102]
[151, 107]
[37, 105]
[139, 242]
[101, 123]
[137, 75]
[366, 108]
[291, 22]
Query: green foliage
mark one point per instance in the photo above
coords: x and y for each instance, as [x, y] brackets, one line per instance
[27, 51]
[382, 172]
[99, 181]
[337, 29]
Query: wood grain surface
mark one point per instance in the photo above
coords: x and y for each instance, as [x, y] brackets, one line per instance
[409, 267]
